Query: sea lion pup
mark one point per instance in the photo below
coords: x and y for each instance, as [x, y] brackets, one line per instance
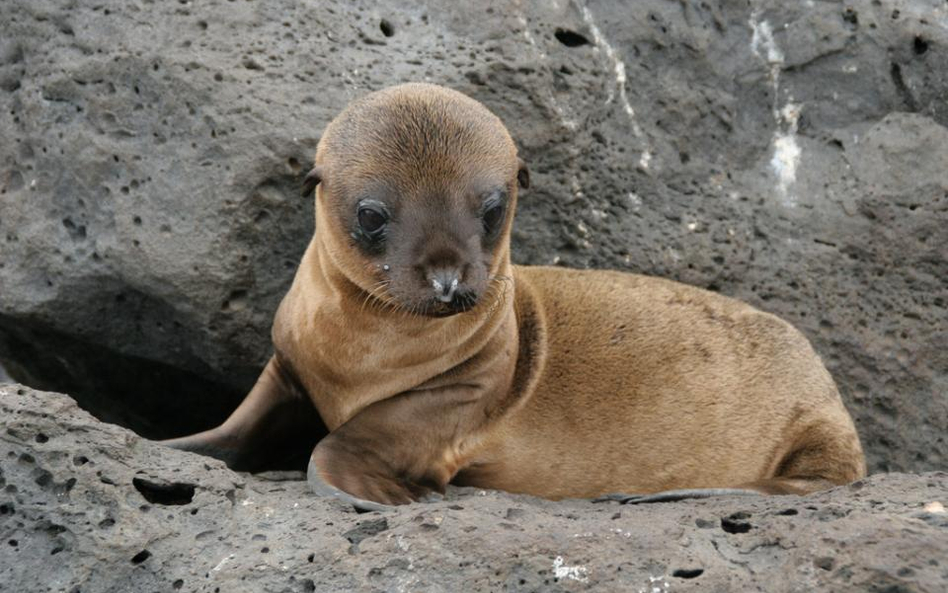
[431, 359]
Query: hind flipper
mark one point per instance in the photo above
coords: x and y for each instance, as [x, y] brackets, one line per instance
[676, 495]
[275, 427]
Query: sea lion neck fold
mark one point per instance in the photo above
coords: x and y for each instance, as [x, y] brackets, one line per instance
[360, 350]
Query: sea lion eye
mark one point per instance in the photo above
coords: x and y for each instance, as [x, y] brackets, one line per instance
[493, 212]
[372, 218]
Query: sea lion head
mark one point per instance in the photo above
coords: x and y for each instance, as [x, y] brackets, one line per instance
[417, 186]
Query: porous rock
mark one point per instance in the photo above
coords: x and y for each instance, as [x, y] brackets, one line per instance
[92, 507]
[791, 154]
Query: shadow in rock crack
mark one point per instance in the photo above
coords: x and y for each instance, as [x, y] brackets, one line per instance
[153, 399]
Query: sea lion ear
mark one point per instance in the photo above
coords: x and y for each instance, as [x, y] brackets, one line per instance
[523, 174]
[311, 180]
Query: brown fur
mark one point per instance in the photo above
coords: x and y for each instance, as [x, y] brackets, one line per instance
[558, 383]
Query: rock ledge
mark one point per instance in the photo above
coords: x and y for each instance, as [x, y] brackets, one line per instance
[91, 507]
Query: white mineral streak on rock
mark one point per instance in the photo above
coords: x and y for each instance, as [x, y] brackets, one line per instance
[406, 582]
[617, 64]
[935, 507]
[221, 564]
[635, 200]
[576, 188]
[787, 151]
[645, 159]
[619, 69]
[655, 585]
[568, 122]
[576, 573]
[764, 37]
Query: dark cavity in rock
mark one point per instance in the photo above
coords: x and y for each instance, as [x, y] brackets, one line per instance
[169, 493]
[736, 523]
[366, 530]
[570, 38]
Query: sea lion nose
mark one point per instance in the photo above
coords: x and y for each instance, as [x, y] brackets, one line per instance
[445, 283]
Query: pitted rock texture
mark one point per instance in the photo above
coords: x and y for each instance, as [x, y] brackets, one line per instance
[791, 154]
[91, 507]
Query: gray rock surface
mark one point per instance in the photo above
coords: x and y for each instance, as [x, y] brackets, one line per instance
[87, 506]
[792, 154]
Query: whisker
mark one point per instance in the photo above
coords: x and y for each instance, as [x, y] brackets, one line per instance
[378, 295]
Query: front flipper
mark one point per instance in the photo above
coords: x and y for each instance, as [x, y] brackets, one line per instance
[675, 495]
[394, 452]
[321, 487]
[273, 428]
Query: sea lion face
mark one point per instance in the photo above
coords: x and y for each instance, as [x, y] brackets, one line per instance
[433, 248]
[420, 185]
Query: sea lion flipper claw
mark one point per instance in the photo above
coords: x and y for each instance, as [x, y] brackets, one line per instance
[675, 495]
[617, 497]
[432, 497]
[321, 487]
